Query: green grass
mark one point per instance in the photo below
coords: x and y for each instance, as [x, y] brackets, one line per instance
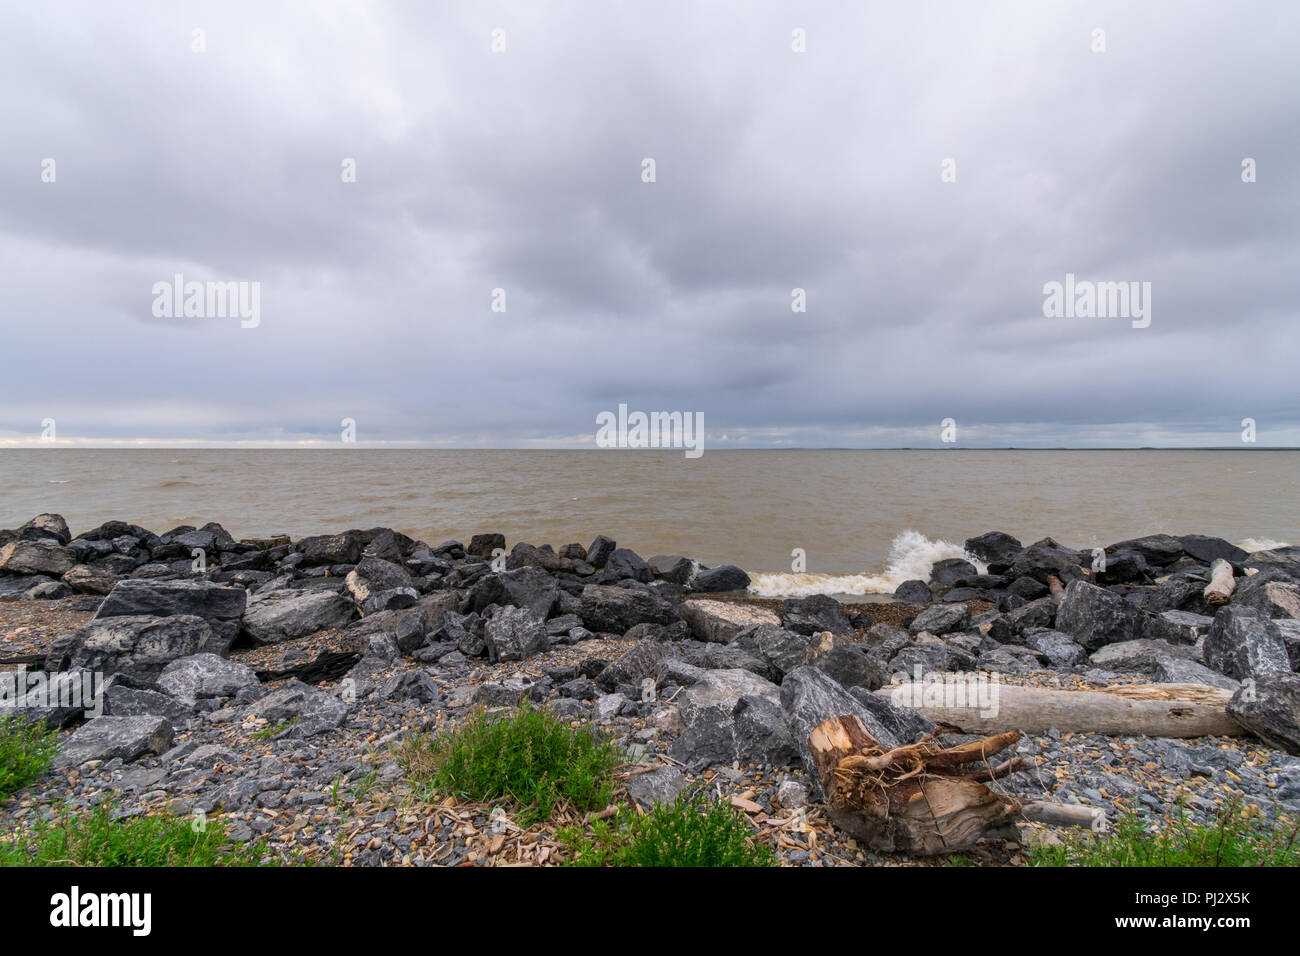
[94, 838]
[266, 733]
[525, 756]
[691, 831]
[1235, 837]
[26, 749]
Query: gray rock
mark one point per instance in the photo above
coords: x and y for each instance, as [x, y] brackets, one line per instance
[1186, 627]
[995, 547]
[283, 615]
[845, 661]
[409, 685]
[220, 606]
[190, 679]
[761, 732]
[139, 647]
[1095, 617]
[207, 756]
[634, 666]
[509, 692]
[707, 710]
[722, 621]
[940, 619]
[600, 551]
[374, 575]
[727, 577]
[672, 568]
[35, 557]
[1270, 596]
[1059, 650]
[914, 592]
[1138, 657]
[1243, 643]
[46, 527]
[1270, 709]
[87, 580]
[1176, 670]
[814, 614]
[313, 711]
[616, 609]
[124, 738]
[122, 700]
[661, 785]
[515, 634]
[783, 650]
[792, 795]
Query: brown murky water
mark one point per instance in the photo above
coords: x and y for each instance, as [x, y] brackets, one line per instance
[866, 520]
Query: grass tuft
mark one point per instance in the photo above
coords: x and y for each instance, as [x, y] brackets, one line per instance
[1237, 836]
[526, 756]
[690, 831]
[26, 749]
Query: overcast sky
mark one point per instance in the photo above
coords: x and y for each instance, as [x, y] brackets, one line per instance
[522, 170]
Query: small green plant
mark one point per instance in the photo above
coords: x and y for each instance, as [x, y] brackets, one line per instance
[691, 831]
[94, 838]
[1236, 836]
[266, 733]
[26, 749]
[525, 756]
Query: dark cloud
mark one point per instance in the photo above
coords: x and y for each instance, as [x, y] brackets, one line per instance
[775, 171]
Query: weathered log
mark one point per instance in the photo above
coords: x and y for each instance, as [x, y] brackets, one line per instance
[1222, 583]
[922, 798]
[1156, 710]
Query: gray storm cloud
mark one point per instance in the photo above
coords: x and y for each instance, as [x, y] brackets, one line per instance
[521, 170]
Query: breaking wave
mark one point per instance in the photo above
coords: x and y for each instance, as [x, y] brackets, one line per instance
[1261, 544]
[911, 557]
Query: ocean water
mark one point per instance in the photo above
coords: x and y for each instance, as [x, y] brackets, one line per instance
[864, 520]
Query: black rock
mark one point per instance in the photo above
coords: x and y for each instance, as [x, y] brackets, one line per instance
[949, 571]
[1270, 709]
[615, 610]
[814, 614]
[994, 547]
[600, 551]
[1245, 644]
[914, 592]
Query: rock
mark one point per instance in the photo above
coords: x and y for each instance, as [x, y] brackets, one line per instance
[914, 592]
[672, 568]
[1207, 550]
[331, 549]
[483, 545]
[1290, 631]
[940, 619]
[124, 738]
[949, 571]
[54, 699]
[208, 756]
[1044, 559]
[1028, 588]
[1012, 627]
[761, 732]
[906, 724]
[46, 527]
[283, 615]
[814, 614]
[634, 666]
[580, 688]
[1271, 597]
[123, 700]
[1243, 643]
[1138, 657]
[1157, 549]
[312, 711]
[515, 634]
[199, 676]
[615, 610]
[409, 685]
[845, 661]
[792, 795]
[626, 563]
[221, 607]
[723, 657]
[727, 577]
[1270, 709]
[48, 591]
[374, 575]
[510, 692]
[1059, 650]
[782, 650]
[139, 646]
[1177, 670]
[600, 551]
[1184, 627]
[35, 557]
[1095, 617]
[668, 721]
[721, 621]
[994, 547]
[809, 697]
[707, 712]
[87, 580]
[661, 785]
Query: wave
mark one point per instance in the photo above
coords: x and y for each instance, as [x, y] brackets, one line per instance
[177, 483]
[59, 481]
[911, 557]
[1261, 544]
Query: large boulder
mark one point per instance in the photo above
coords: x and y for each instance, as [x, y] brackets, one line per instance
[626, 563]
[1057, 648]
[87, 580]
[1046, 559]
[809, 697]
[140, 646]
[722, 621]
[1245, 644]
[814, 614]
[515, 634]
[707, 708]
[1269, 593]
[531, 588]
[105, 738]
[200, 676]
[1270, 709]
[782, 650]
[283, 615]
[994, 547]
[600, 551]
[940, 619]
[46, 527]
[634, 666]
[670, 567]
[329, 549]
[1095, 617]
[1207, 550]
[1177, 670]
[35, 557]
[222, 607]
[1138, 657]
[1156, 549]
[726, 577]
[609, 609]
[373, 576]
[845, 661]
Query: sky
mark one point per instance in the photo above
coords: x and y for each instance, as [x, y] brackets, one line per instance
[499, 271]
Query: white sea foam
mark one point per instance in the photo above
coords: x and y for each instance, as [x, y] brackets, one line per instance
[1261, 544]
[911, 557]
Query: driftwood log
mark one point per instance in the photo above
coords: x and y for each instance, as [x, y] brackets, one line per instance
[1219, 591]
[1156, 710]
[924, 798]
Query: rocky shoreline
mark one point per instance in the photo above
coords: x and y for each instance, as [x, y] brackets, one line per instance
[268, 679]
